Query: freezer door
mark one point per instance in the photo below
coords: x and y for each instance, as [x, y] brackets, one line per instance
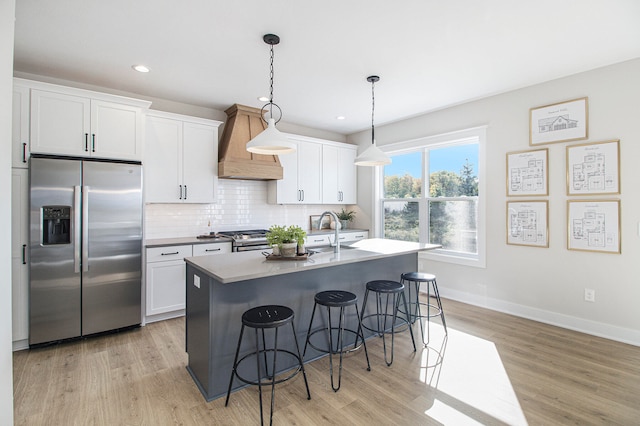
[112, 246]
[54, 265]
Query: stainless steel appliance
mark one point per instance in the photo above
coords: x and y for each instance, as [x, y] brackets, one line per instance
[85, 247]
[252, 239]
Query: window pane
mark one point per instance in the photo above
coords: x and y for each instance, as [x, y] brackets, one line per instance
[452, 224]
[403, 177]
[402, 220]
[453, 171]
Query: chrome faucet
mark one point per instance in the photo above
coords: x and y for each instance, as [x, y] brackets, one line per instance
[336, 247]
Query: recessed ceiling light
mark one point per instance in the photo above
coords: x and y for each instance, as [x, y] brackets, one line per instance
[341, 117]
[263, 99]
[140, 68]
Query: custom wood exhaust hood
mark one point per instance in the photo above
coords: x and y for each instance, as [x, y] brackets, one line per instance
[234, 161]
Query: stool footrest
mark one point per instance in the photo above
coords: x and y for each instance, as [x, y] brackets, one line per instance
[296, 369]
[337, 350]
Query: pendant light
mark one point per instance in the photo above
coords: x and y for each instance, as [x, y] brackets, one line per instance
[372, 156]
[270, 141]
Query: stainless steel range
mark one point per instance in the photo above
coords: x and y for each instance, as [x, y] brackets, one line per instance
[253, 239]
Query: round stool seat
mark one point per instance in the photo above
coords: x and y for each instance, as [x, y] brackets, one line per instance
[336, 298]
[418, 276]
[267, 316]
[385, 286]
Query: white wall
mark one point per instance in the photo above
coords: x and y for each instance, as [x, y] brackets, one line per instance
[7, 13]
[546, 284]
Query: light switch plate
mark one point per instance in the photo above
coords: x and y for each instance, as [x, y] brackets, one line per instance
[196, 281]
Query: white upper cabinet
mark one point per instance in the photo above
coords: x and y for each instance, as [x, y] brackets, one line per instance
[181, 159]
[66, 121]
[338, 174]
[320, 172]
[20, 127]
[302, 175]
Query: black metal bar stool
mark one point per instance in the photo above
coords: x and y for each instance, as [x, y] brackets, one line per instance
[414, 279]
[261, 318]
[396, 290]
[336, 299]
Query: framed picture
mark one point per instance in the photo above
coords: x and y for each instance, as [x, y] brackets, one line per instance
[561, 122]
[593, 168]
[527, 173]
[594, 225]
[315, 219]
[528, 223]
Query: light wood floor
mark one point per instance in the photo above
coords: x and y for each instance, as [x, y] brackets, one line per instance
[495, 369]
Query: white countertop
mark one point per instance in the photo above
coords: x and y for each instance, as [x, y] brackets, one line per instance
[233, 267]
[164, 242]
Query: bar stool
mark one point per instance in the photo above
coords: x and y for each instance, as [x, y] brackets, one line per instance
[261, 318]
[414, 279]
[396, 290]
[336, 299]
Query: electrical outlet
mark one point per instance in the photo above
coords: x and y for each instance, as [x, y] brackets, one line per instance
[589, 295]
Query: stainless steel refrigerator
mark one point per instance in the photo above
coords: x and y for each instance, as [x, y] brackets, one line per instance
[85, 247]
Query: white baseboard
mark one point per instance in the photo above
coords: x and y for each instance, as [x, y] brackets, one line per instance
[161, 317]
[608, 331]
[19, 345]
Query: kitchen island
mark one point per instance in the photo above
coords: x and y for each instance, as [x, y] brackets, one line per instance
[220, 288]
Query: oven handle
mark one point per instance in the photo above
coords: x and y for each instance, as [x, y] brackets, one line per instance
[252, 248]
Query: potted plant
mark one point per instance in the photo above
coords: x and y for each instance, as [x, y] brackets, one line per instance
[285, 240]
[275, 237]
[345, 217]
[298, 234]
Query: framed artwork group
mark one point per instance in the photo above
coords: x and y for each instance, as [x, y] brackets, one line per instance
[592, 169]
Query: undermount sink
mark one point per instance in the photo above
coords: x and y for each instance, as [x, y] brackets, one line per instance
[328, 249]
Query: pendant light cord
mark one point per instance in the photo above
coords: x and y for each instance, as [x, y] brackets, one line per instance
[271, 85]
[373, 107]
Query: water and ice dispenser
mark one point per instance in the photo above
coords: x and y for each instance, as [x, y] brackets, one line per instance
[56, 225]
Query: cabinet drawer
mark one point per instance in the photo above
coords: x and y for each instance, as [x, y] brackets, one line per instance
[213, 248]
[317, 240]
[354, 236]
[162, 254]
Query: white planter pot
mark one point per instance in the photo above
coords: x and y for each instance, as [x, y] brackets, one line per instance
[289, 249]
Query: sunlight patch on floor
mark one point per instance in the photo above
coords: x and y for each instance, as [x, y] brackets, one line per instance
[468, 381]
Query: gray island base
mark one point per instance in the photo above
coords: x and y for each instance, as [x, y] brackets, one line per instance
[221, 288]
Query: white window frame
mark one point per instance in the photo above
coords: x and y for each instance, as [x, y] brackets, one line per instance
[473, 135]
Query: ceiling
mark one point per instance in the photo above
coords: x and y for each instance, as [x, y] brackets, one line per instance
[429, 54]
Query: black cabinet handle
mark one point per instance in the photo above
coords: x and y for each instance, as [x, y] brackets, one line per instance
[169, 254]
[181, 192]
[185, 192]
[207, 250]
[86, 142]
[24, 254]
[93, 142]
[24, 152]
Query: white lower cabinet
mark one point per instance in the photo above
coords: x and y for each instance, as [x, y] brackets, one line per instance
[166, 278]
[166, 274]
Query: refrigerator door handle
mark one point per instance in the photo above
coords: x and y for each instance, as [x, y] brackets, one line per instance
[76, 229]
[85, 228]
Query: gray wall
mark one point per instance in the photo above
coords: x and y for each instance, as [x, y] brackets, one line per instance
[546, 284]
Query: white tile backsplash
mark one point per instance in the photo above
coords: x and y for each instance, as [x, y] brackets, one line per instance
[242, 204]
